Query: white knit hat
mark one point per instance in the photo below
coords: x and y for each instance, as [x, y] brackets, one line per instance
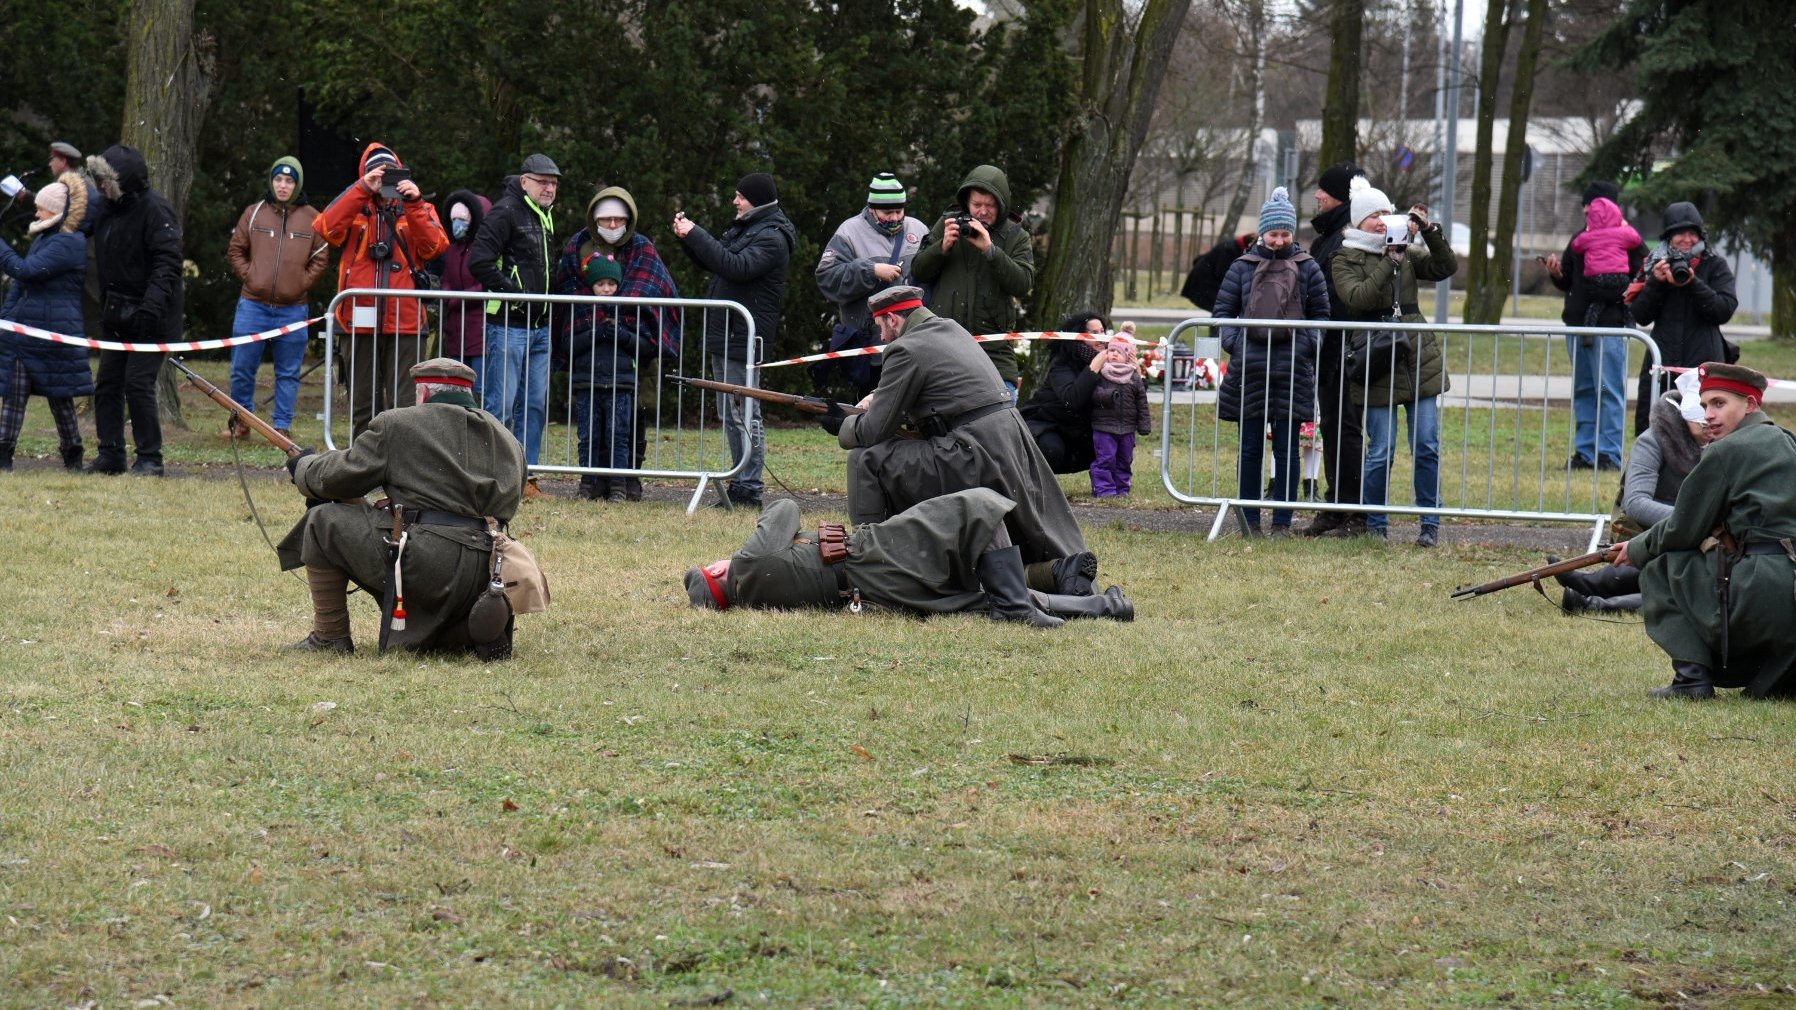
[1364, 201]
[55, 199]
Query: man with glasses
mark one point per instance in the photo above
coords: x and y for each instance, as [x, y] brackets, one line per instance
[513, 254]
[869, 252]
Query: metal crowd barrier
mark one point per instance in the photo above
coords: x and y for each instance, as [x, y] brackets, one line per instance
[1507, 426]
[676, 428]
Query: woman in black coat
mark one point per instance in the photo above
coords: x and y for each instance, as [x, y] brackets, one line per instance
[1058, 413]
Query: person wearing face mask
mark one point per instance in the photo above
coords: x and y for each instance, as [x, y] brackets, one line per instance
[464, 322]
[610, 232]
[869, 252]
[278, 255]
[1688, 293]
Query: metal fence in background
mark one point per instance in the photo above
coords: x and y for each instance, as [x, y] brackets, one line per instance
[1506, 425]
[592, 363]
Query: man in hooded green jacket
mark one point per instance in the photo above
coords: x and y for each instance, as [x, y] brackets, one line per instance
[1718, 576]
[977, 262]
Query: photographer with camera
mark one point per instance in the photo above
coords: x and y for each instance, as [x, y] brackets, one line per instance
[978, 261]
[387, 233]
[1375, 273]
[1685, 295]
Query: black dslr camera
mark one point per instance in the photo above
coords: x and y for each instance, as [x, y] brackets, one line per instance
[964, 222]
[1677, 260]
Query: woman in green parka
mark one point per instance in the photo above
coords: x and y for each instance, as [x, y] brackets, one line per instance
[1368, 274]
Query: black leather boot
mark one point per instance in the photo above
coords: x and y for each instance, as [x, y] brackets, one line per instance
[1112, 604]
[6, 457]
[593, 488]
[1073, 575]
[71, 457]
[1690, 681]
[1007, 589]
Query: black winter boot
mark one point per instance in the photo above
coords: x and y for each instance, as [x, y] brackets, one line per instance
[1690, 681]
[1007, 589]
[593, 488]
[71, 457]
[1112, 604]
[109, 461]
[6, 457]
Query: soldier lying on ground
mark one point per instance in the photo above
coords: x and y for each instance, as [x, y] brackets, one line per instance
[949, 554]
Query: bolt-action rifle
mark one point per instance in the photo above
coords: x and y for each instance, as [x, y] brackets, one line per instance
[808, 404]
[243, 415]
[1533, 576]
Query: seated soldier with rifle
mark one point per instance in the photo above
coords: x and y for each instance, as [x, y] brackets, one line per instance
[935, 378]
[1718, 576]
[949, 554]
[455, 477]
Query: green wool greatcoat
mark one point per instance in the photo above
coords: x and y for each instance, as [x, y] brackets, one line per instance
[446, 455]
[935, 368]
[1746, 480]
[922, 560]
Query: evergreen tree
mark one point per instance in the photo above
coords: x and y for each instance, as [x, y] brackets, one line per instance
[1714, 84]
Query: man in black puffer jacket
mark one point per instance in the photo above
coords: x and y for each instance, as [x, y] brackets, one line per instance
[1686, 317]
[748, 265]
[137, 242]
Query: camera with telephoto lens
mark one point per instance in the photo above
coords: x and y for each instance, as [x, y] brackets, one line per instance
[1677, 260]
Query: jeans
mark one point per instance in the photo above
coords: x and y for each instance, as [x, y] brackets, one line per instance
[1424, 445]
[741, 419]
[289, 354]
[516, 373]
[1599, 396]
[1112, 465]
[1284, 463]
[605, 418]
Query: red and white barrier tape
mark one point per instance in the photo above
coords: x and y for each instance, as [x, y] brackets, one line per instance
[987, 338]
[187, 345]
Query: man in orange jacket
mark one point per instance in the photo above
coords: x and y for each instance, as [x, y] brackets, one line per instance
[387, 233]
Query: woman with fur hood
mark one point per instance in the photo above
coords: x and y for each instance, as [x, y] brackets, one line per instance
[46, 293]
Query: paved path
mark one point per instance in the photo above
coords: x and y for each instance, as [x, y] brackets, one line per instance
[1735, 331]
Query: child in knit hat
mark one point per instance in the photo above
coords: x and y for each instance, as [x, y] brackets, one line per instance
[603, 275]
[1119, 413]
[1271, 378]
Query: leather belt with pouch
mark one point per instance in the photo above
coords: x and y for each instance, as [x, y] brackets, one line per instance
[936, 425]
[832, 543]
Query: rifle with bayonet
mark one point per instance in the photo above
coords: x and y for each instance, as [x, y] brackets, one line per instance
[243, 415]
[808, 404]
[1533, 576]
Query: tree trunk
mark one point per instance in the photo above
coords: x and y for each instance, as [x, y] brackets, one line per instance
[1485, 304]
[1340, 109]
[167, 90]
[1490, 70]
[1783, 284]
[1120, 80]
[1252, 34]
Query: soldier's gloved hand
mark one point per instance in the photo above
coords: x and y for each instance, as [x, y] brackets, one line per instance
[293, 460]
[831, 420]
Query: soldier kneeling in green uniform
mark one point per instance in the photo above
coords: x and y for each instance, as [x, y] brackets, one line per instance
[448, 468]
[949, 554]
[1718, 576]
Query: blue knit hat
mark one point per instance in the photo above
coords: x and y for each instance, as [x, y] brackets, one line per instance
[1277, 213]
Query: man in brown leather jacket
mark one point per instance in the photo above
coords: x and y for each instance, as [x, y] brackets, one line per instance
[278, 255]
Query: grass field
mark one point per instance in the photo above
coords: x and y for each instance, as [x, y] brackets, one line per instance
[1302, 778]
